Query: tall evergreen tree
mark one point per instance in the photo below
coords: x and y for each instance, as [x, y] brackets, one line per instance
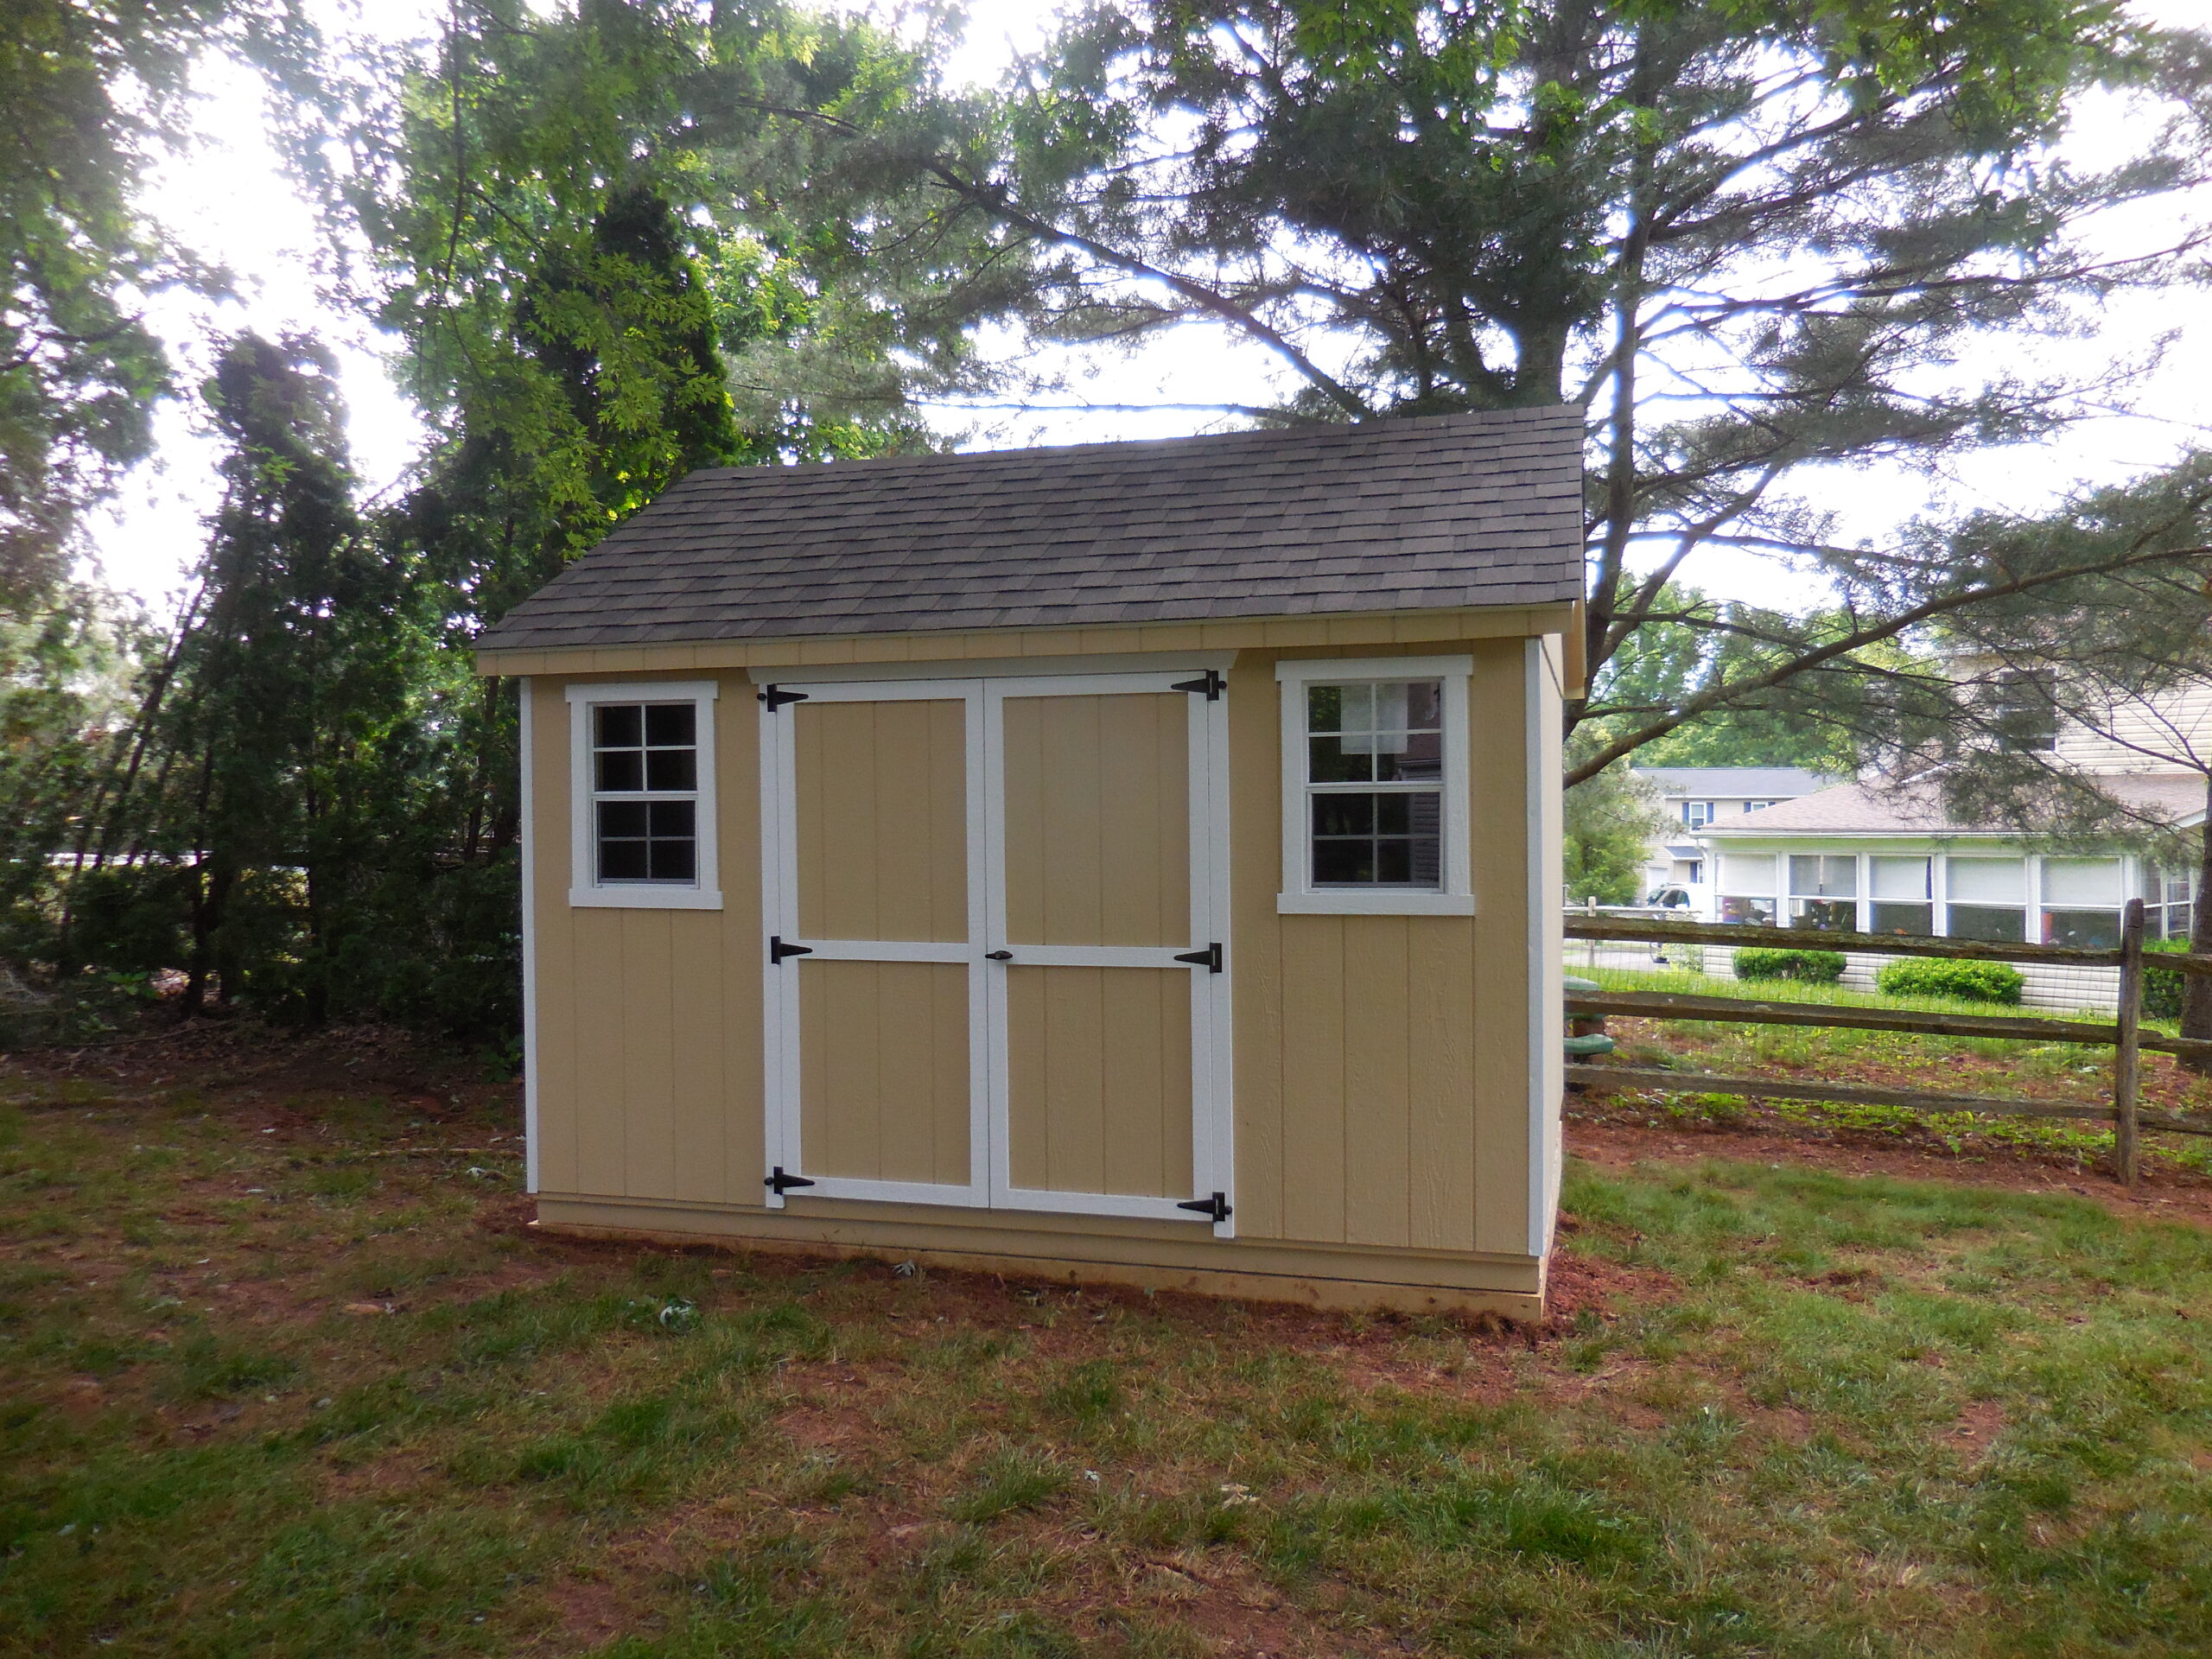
[261, 796]
[1755, 239]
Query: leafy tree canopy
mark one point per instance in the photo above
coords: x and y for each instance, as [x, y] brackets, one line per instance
[90, 92]
[632, 239]
[1691, 642]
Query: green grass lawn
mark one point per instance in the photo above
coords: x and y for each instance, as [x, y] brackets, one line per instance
[1797, 1414]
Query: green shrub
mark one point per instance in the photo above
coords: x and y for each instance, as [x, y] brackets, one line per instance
[2162, 986]
[1818, 967]
[1969, 982]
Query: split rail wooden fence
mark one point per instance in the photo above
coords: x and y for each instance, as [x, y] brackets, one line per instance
[2125, 1035]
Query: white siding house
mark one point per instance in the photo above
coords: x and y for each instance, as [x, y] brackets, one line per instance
[1877, 858]
[1692, 797]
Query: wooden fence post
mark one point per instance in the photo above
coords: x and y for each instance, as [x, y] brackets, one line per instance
[2127, 1064]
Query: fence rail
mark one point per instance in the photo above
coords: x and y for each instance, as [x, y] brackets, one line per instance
[2125, 1036]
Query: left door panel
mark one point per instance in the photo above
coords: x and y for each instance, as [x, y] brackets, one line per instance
[875, 917]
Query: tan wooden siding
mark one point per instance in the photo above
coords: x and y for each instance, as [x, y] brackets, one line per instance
[1098, 820]
[648, 1027]
[882, 820]
[1382, 1093]
[1384, 1100]
[1099, 1095]
[884, 1064]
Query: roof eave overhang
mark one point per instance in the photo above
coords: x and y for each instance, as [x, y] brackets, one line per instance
[1336, 629]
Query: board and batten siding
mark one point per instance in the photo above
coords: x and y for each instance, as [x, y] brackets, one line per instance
[648, 1032]
[1392, 1122]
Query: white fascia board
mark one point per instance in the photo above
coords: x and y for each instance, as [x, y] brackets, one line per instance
[946, 668]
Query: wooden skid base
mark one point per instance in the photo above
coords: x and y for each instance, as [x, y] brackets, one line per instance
[1305, 1277]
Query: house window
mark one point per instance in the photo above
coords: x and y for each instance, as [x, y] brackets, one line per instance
[1903, 902]
[1374, 811]
[2080, 902]
[1747, 888]
[1987, 898]
[2024, 714]
[2169, 903]
[1824, 892]
[1697, 814]
[644, 796]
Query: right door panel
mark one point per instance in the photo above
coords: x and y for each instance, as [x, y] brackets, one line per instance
[1098, 868]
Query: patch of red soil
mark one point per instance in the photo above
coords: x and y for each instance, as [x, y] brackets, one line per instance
[586, 1614]
[1977, 1429]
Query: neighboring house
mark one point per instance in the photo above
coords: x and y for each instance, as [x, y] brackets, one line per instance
[1887, 857]
[1692, 797]
[1132, 861]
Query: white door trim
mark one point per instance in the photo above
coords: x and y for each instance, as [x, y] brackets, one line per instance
[990, 1183]
[780, 920]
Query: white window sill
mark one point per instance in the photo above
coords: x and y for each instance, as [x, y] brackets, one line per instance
[644, 898]
[1374, 903]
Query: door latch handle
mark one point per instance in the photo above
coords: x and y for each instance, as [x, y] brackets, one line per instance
[998, 956]
[1209, 958]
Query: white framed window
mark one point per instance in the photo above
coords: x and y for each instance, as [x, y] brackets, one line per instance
[1824, 891]
[1904, 894]
[2082, 902]
[1986, 899]
[1747, 888]
[642, 796]
[1697, 814]
[1375, 786]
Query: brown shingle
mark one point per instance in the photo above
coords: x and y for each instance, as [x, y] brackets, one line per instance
[1448, 511]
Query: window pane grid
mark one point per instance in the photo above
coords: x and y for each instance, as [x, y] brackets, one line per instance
[644, 794]
[1374, 768]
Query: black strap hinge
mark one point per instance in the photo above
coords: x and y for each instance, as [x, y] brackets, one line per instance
[1209, 685]
[775, 696]
[1209, 959]
[780, 1183]
[777, 950]
[1215, 1209]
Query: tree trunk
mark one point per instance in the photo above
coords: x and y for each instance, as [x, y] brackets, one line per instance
[211, 893]
[2196, 988]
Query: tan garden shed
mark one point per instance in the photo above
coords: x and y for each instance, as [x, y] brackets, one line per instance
[1133, 862]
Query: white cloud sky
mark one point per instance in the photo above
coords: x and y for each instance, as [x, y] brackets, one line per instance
[230, 200]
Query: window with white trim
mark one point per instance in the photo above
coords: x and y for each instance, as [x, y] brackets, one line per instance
[642, 797]
[1375, 786]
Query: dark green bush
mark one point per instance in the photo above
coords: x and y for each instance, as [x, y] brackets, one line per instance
[1969, 982]
[1817, 966]
[2162, 986]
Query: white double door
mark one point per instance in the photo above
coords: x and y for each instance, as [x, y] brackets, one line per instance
[997, 928]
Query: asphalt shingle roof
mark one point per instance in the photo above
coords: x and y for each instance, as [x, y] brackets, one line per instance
[1440, 513]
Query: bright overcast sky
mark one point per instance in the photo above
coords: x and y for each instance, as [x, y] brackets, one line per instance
[230, 201]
